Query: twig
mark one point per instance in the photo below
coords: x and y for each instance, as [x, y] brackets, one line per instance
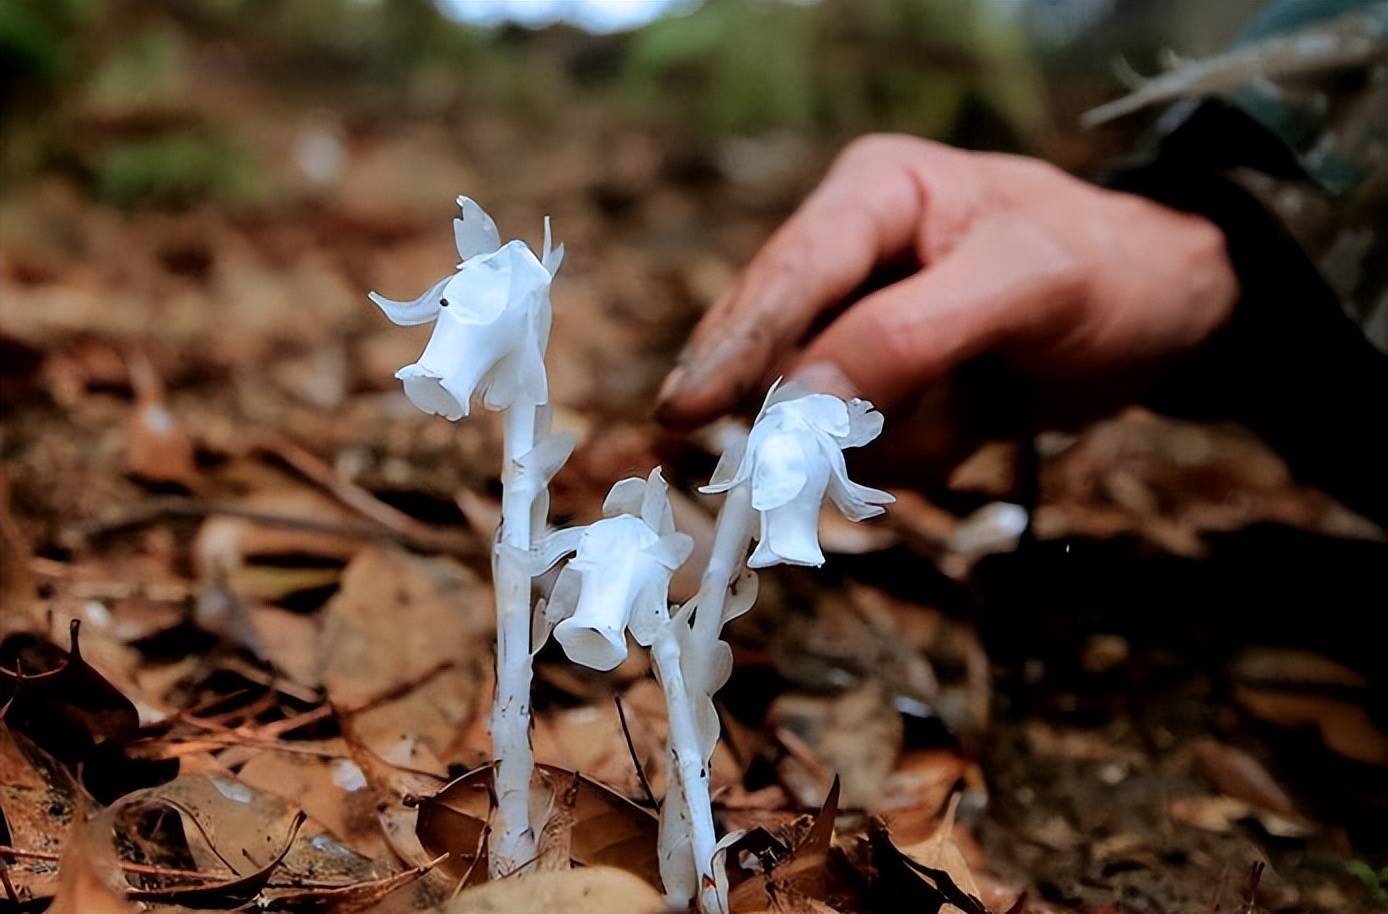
[161, 506]
[142, 869]
[631, 749]
[368, 505]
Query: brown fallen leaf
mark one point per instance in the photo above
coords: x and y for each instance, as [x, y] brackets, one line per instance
[349, 899]
[228, 893]
[82, 886]
[1222, 813]
[1344, 726]
[334, 792]
[903, 883]
[39, 803]
[158, 449]
[397, 619]
[233, 830]
[855, 735]
[225, 542]
[939, 852]
[1235, 773]
[453, 821]
[59, 700]
[591, 890]
[604, 827]
[802, 877]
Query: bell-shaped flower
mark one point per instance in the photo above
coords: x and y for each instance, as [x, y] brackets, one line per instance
[492, 322]
[619, 576]
[793, 458]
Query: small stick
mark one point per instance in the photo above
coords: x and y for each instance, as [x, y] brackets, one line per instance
[631, 749]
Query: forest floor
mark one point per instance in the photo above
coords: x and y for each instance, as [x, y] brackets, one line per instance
[1158, 702]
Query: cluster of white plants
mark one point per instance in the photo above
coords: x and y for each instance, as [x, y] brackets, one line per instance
[492, 321]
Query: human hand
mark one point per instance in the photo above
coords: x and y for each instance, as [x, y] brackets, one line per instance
[1069, 284]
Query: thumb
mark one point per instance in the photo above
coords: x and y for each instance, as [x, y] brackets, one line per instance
[1006, 282]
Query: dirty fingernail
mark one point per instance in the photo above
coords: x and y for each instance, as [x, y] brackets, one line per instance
[671, 387]
[825, 377]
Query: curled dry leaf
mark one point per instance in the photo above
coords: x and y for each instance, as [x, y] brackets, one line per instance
[39, 804]
[604, 828]
[59, 700]
[940, 852]
[903, 883]
[591, 890]
[233, 830]
[229, 893]
[808, 874]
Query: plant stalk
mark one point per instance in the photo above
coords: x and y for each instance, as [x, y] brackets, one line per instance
[690, 770]
[690, 684]
[512, 841]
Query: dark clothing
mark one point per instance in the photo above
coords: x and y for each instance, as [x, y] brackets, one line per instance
[1293, 165]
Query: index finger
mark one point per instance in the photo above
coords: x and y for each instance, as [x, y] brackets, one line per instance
[866, 211]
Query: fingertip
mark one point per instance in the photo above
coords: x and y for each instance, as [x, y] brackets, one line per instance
[680, 406]
[825, 377]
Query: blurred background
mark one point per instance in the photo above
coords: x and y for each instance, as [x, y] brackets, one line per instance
[196, 195]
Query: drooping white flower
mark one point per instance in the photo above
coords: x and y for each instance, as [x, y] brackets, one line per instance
[619, 577]
[793, 458]
[492, 322]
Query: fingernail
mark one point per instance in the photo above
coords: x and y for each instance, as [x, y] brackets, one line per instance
[672, 384]
[826, 378]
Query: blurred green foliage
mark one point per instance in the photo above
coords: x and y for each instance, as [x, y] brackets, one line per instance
[843, 66]
[115, 91]
[38, 41]
[175, 169]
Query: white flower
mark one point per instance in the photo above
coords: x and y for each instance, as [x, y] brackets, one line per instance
[793, 457]
[619, 577]
[493, 319]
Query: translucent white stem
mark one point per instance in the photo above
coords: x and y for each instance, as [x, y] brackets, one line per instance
[731, 537]
[689, 781]
[512, 841]
[689, 774]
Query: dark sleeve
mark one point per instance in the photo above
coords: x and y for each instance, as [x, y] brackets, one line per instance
[1290, 364]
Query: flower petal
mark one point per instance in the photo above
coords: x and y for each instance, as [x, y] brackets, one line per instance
[856, 502]
[425, 390]
[474, 233]
[730, 470]
[650, 612]
[791, 531]
[551, 257]
[781, 467]
[655, 504]
[624, 497]
[864, 423]
[821, 412]
[672, 550]
[412, 313]
[554, 546]
[742, 593]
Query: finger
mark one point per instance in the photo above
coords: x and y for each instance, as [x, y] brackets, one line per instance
[1005, 283]
[867, 210]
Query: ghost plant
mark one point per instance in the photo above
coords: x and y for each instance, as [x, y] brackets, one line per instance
[775, 482]
[618, 581]
[491, 328]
